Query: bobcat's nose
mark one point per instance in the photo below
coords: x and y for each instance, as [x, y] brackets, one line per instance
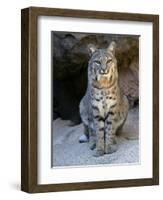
[103, 71]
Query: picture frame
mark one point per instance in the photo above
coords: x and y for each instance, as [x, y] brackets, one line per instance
[29, 99]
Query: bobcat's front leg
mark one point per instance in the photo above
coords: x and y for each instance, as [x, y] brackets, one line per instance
[100, 143]
[92, 139]
[110, 143]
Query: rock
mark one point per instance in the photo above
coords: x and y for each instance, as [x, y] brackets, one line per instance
[70, 60]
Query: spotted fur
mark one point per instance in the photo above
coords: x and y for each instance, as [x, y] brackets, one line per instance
[103, 109]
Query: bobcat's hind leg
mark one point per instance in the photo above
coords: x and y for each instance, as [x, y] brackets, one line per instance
[85, 137]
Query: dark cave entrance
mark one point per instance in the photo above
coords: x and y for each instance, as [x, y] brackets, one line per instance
[69, 65]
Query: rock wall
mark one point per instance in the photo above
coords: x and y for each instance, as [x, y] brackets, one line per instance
[69, 63]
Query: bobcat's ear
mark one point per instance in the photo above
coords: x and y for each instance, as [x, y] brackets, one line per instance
[91, 49]
[111, 47]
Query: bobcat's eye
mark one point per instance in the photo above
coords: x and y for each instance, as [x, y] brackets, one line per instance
[109, 61]
[97, 62]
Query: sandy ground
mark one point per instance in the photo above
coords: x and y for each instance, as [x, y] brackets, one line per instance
[67, 151]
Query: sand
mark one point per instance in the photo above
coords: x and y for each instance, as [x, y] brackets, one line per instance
[67, 151]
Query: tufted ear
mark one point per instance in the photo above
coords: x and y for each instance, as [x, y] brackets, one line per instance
[111, 48]
[91, 49]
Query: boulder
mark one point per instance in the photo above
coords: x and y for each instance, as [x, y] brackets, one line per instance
[69, 63]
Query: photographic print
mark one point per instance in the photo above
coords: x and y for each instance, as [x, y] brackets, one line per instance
[89, 99]
[95, 99]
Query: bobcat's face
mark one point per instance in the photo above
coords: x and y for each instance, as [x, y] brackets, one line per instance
[103, 66]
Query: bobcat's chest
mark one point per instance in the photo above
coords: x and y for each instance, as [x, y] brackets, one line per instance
[102, 101]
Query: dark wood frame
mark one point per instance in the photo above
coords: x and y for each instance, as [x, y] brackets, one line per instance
[29, 99]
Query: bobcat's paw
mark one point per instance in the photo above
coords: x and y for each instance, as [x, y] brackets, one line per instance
[83, 138]
[92, 145]
[98, 153]
[111, 148]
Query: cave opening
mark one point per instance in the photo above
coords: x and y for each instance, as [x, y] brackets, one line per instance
[70, 58]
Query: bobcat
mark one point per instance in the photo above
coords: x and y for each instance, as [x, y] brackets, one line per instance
[103, 109]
